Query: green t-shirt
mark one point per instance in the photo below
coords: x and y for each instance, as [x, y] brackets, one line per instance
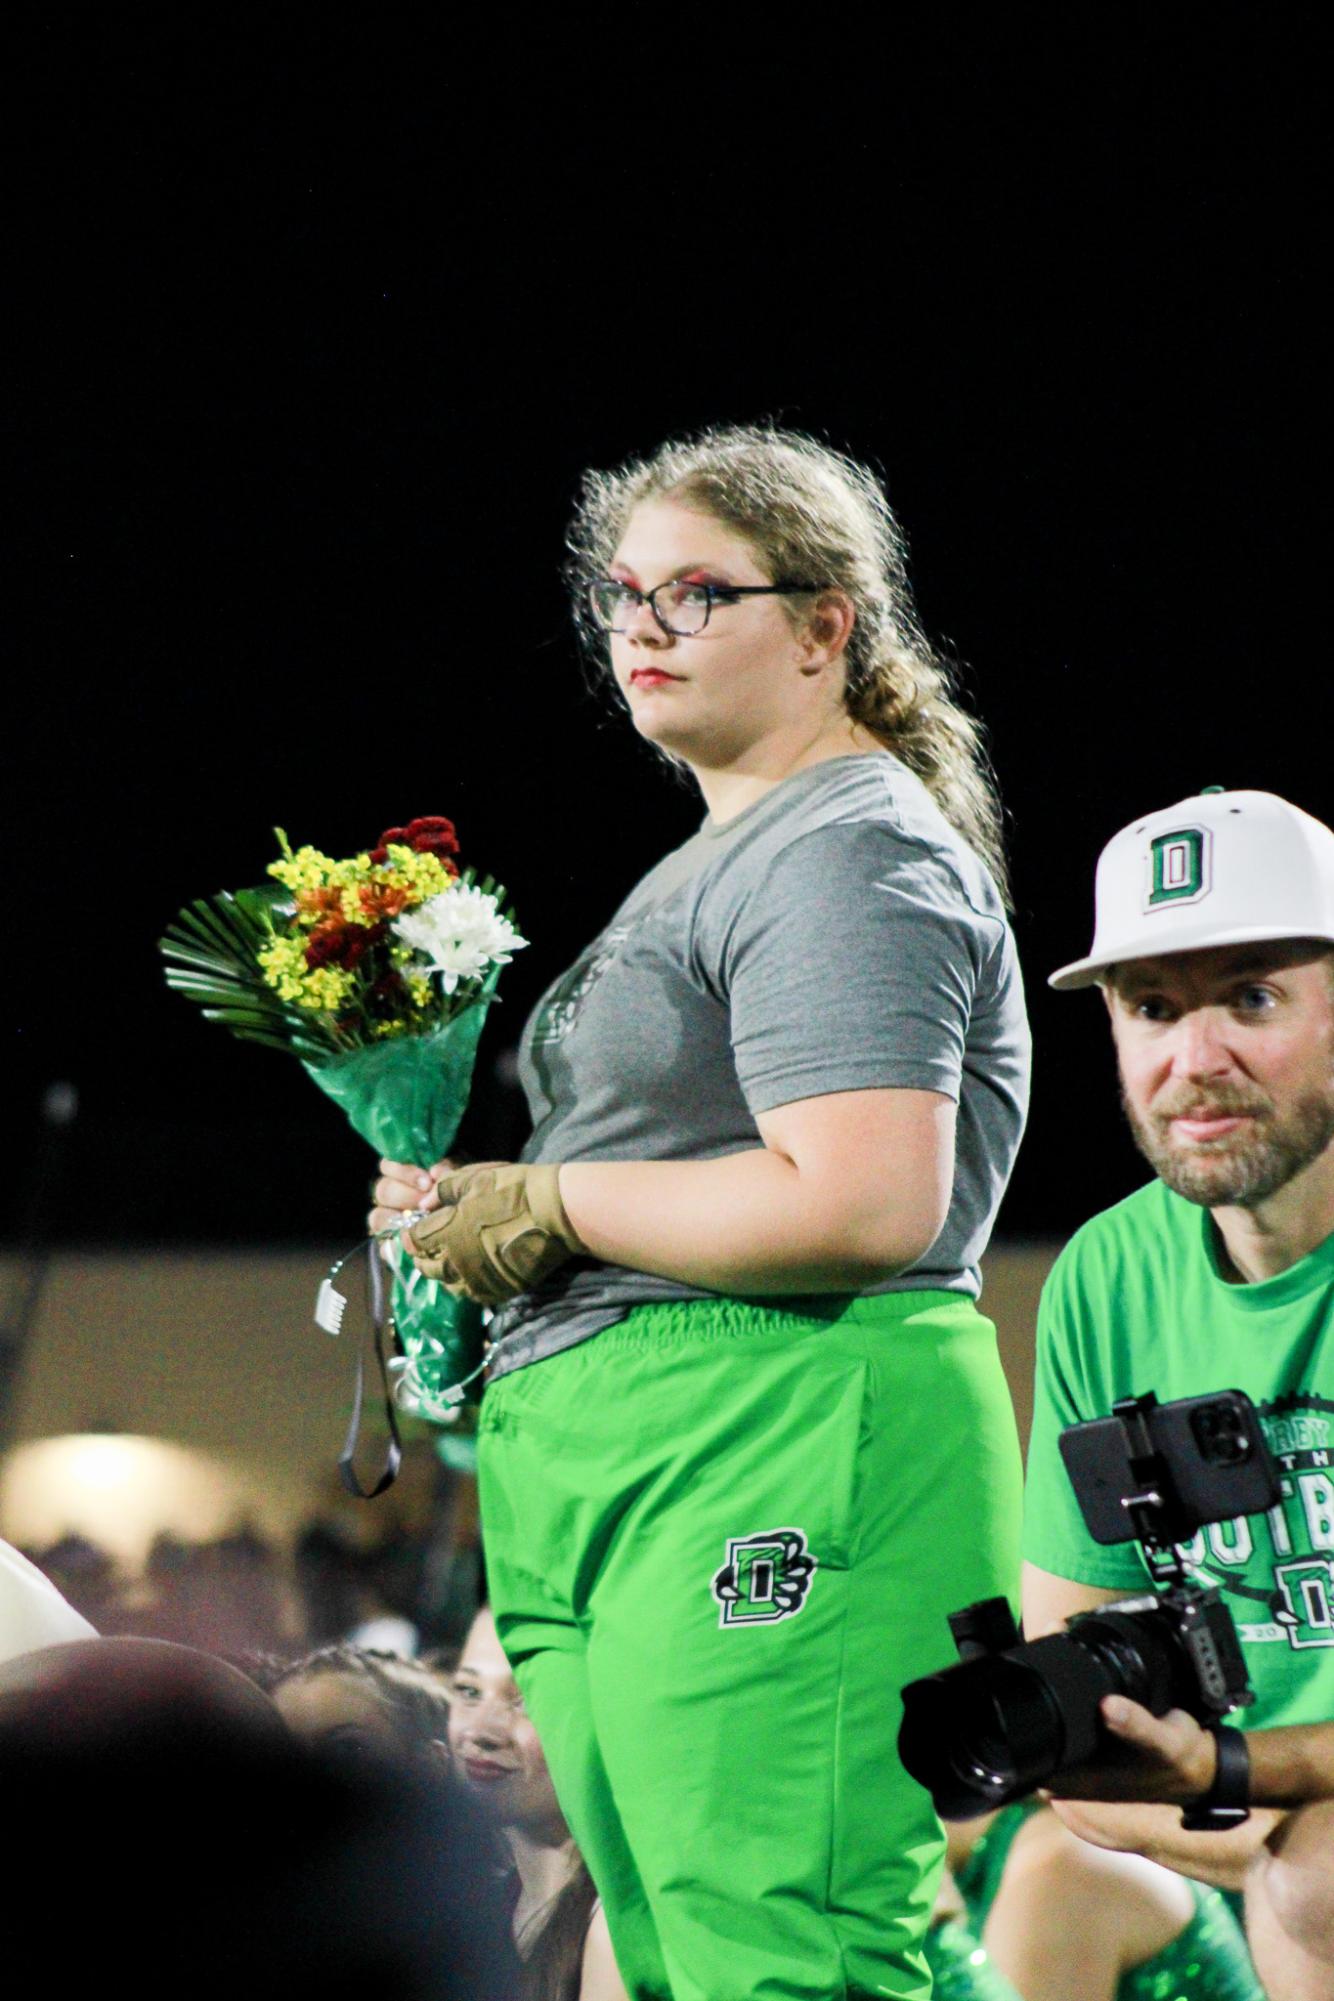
[1137, 1301]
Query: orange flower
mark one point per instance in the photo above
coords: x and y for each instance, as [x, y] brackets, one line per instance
[381, 900]
[314, 904]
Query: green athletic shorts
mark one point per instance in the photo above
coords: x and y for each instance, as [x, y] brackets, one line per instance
[719, 1538]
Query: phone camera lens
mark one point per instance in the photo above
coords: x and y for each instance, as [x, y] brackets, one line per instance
[1220, 1434]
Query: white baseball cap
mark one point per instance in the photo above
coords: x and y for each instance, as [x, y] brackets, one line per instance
[1225, 868]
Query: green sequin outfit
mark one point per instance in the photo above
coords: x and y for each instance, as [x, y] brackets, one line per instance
[1206, 1961]
[961, 1968]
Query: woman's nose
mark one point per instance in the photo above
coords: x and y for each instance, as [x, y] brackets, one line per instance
[643, 626]
[487, 1725]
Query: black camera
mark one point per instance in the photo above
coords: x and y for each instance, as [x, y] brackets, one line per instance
[1014, 1714]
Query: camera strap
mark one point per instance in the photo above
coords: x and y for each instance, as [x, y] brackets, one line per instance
[1226, 1804]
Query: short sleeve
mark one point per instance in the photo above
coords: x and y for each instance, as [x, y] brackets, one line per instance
[1065, 1393]
[853, 965]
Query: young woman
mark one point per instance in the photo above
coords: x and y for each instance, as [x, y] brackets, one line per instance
[560, 1928]
[745, 1440]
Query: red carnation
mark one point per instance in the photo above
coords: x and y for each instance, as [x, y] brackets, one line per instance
[341, 944]
[429, 835]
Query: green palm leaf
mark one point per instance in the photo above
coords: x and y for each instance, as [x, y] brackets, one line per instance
[212, 951]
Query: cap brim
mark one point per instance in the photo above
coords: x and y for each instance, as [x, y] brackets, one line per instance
[1081, 973]
[1151, 945]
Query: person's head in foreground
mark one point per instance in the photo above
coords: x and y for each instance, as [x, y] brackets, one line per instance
[175, 1833]
[366, 1708]
[1214, 948]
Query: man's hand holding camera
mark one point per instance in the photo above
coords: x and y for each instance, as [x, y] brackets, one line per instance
[1171, 1760]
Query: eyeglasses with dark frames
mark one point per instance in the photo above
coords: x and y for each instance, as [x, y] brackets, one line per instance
[681, 606]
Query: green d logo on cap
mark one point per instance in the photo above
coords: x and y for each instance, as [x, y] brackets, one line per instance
[1178, 867]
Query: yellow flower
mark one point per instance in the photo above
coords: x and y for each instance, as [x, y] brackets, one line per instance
[321, 989]
[306, 869]
[421, 875]
[326, 989]
[283, 962]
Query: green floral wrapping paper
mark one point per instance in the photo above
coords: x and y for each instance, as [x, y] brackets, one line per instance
[406, 1098]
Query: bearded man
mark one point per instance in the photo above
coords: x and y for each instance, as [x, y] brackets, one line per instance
[1213, 950]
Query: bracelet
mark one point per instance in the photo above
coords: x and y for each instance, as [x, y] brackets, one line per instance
[1226, 1804]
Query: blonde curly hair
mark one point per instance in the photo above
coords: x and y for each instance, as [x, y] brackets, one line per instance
[809, 511]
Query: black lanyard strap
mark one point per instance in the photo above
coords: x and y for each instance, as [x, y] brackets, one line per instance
[381, 1325]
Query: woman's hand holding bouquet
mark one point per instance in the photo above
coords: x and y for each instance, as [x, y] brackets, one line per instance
[400, 1189]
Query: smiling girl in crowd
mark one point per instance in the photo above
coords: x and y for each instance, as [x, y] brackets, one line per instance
[559, 1925]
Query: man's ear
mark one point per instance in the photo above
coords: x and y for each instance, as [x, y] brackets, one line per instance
[439, 1750]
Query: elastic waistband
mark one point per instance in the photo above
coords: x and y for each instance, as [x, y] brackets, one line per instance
[706, 1322]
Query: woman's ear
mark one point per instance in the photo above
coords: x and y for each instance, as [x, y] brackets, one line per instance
[827, 629]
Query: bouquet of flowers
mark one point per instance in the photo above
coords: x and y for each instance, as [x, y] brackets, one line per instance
[376, 973]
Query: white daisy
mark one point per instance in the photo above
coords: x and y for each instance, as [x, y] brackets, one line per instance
[459, 934]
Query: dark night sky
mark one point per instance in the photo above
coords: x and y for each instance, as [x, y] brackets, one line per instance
[317, 326]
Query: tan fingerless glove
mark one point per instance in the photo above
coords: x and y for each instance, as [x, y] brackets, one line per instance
[500, 1230]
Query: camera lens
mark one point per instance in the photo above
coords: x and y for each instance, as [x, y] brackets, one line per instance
[998, 1732]
[984, 1732]
[1220, 1433]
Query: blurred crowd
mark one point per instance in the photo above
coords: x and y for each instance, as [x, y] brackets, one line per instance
[240, 1593]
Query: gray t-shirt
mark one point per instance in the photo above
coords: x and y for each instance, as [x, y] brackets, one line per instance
[836, 936]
